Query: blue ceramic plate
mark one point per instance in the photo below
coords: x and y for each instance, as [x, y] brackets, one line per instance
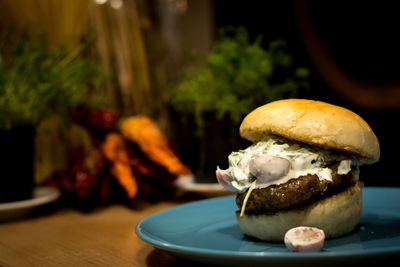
[207, 231]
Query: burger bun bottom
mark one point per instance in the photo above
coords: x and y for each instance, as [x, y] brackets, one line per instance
[336, 215]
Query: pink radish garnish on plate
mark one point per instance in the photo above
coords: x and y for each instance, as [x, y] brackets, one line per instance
[304, 239]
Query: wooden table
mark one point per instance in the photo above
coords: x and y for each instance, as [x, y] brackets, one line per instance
[66, 237]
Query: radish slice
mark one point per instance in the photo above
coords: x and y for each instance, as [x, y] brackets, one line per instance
[268, 168]
[225, 180]
[304, 239]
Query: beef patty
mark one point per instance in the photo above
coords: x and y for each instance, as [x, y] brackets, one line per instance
[294, 193]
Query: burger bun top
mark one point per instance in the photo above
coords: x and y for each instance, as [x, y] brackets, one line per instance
[313, 122]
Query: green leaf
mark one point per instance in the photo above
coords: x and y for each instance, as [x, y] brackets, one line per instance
[238, 76]
[36, 82]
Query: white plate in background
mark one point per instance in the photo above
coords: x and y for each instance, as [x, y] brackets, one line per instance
[188, 184]
[18, 209]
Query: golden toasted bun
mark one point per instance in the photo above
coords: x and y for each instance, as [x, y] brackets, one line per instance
[336, 215]
[313, 122]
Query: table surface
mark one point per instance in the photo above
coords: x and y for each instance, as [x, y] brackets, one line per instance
[67, 237]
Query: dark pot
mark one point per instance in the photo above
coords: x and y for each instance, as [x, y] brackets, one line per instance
[204, 153]
[16, 163]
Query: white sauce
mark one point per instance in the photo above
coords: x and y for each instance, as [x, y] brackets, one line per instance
[303, 161]
[344, 167]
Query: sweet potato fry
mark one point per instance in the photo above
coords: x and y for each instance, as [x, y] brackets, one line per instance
[114, 150]
[145, 132]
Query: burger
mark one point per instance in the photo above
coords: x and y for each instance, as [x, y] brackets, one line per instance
[301, 170]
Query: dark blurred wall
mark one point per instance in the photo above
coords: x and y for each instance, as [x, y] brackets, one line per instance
[362, 40]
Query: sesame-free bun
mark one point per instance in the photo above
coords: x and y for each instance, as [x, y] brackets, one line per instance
[313, 122]
[336, 215]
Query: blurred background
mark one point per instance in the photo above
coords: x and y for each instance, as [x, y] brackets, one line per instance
[115, 93]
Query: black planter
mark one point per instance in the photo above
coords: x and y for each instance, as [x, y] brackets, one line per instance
[16, 163]
[204, 153]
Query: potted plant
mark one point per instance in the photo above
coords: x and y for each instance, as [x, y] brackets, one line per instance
[35, 83]
[238, 76]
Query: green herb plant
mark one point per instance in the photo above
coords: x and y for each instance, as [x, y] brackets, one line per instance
[36, 82]
[238, 76]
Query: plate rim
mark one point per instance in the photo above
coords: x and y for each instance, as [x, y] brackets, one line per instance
[38, 199]
[187, 250]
